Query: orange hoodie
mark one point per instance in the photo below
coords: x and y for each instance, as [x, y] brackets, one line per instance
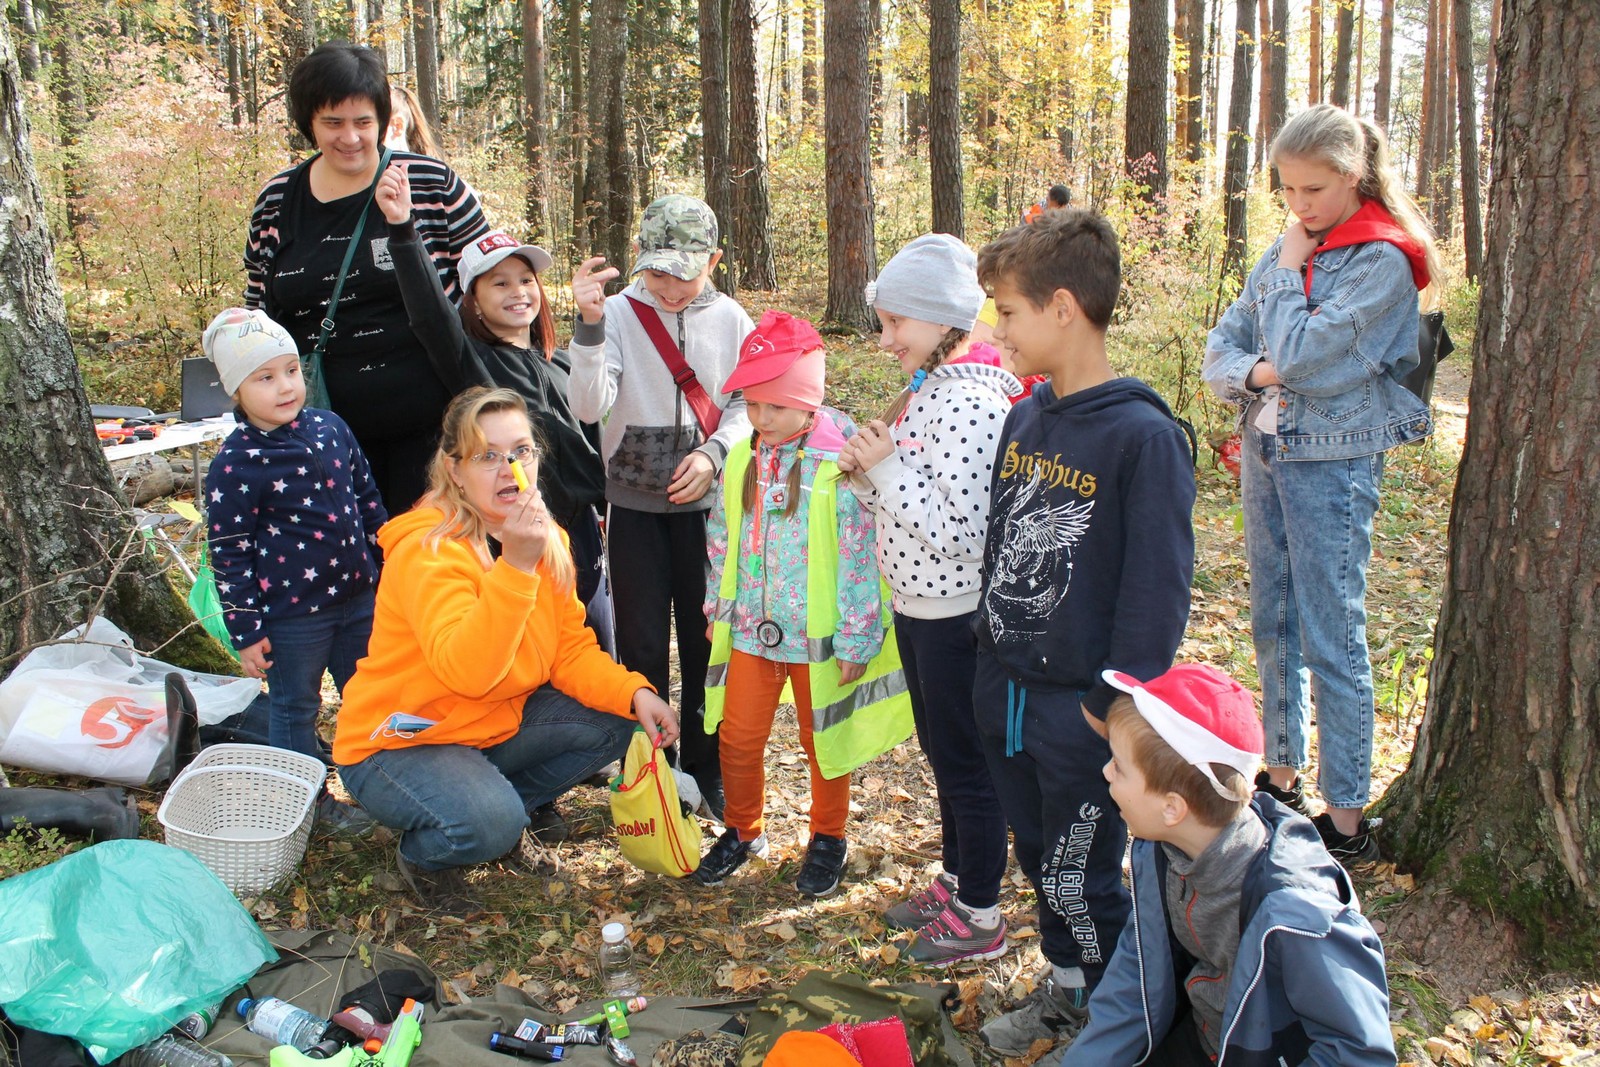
[463, 647]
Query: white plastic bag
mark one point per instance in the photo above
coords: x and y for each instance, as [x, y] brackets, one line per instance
[95, 706]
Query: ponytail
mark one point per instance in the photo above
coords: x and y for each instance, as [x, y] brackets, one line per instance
[951, 340]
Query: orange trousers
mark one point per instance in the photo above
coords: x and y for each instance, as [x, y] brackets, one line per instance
[754, 688]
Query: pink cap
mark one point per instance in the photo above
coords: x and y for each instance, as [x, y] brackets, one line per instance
[780, 362]
[1205, 716]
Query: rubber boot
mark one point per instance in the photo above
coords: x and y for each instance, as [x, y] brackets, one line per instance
[183, 724]
[104, 814]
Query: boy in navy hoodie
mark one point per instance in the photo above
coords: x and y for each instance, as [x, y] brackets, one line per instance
[1087, 567]
[1249, 943]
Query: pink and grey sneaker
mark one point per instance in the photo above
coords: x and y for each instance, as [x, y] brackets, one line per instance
[951, 937]
[922, 906]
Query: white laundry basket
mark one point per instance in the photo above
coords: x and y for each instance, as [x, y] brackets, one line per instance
[245, 811]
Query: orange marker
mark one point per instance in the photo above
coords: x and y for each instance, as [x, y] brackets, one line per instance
[522, 479]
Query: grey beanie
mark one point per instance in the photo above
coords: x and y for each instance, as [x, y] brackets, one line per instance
[934, 279]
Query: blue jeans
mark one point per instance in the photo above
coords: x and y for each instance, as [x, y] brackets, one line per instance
[1308, 536]
[303, 648]
[458, 805]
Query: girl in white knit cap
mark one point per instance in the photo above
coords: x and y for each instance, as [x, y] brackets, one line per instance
[924, 470]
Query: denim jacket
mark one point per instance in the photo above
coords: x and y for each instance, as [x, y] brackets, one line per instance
[1341, 352]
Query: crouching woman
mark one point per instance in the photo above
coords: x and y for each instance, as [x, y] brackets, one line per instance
[483, 696]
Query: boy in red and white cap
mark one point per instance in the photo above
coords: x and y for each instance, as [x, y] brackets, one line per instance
[1247, 941]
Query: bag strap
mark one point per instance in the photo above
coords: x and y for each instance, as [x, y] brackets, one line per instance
[316, 388]
[680, 851]
[706, 412]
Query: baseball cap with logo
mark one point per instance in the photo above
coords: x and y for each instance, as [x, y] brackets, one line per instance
[484, 254]
[677, 236]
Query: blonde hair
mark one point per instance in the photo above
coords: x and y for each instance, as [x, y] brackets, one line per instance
[947, 344]
[1351, 145]
[461, 438]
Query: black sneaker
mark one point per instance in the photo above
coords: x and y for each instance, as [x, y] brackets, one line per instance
[824, 864]
[1294, 797]
[444, 891]
[1359, 847]
[727, 855]
[546, 825]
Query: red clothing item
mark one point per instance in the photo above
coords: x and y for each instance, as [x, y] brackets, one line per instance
[1372, 222]
[989, 356]
[463, 646]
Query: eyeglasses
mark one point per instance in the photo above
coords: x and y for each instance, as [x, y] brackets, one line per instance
[491, 459]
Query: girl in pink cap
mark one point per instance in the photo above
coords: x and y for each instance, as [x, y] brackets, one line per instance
[794, 603]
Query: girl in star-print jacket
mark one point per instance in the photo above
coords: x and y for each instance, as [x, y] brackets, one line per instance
[292, 513]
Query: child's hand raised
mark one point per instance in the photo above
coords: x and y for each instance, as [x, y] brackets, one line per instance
[589, 288]
[872, 444]
[394, 194]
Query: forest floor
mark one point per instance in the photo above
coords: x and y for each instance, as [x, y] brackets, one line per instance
[1458, 995]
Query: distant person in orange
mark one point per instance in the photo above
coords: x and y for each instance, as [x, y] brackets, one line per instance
[1058, 197]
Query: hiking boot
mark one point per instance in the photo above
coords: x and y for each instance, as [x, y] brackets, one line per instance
[824, 864]
[952, 936]
[1048, 1013]
[1359, 847]
[547, 826]
[922, 906]
[1294, 797]
[445, 891]
[531, 856]
[336, 818]
[727, 855]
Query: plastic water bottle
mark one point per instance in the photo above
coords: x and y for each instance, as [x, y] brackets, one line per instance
[197, 1024]
[282, 1023]
[616, 962]
[173, 1050]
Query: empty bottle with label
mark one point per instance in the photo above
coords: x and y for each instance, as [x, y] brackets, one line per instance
[173, 1050]
[197, 1024]
[282, 1023]
[616, 962]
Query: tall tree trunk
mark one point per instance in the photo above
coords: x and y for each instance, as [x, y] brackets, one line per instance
[578, 125]
[852, 244]
[1466, 100]
[1441, 111]
[425, 37]
[300, 34]
[1426, 134]
[1264, 83]
[875, 85]
[1499, 800]
[1195, 135]
[1182, 59]
[1236, 164]
[714, 131]
[810, 12]
[1315, 48]
[752, 230]
[1343, 49]
[607, 180]
[1145, 125]
[1213, 69]
[67, 547]
[28, 54]
[1380, 93]
[66, 73]
[1361, 55]
[1491, 70]
[1277, 59]
[230, 41]
[535, 210]
[944, 115]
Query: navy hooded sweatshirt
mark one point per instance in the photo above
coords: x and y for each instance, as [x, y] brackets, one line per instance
[1090, 549]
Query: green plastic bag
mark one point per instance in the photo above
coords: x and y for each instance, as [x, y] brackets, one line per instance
[207, 605]
[112, 945]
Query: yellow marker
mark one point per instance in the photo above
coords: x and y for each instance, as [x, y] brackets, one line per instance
[522, 479]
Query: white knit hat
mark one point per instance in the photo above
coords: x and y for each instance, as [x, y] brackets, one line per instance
[239, 340]
[933, 279]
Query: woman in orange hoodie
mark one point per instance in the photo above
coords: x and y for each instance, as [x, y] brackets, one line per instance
[483, 695]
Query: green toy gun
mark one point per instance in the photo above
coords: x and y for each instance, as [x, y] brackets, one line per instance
[405, 1035]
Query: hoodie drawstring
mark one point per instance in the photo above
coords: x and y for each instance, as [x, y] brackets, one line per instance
[1016, 701]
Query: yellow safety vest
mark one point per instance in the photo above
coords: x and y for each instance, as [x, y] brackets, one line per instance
[851, 724]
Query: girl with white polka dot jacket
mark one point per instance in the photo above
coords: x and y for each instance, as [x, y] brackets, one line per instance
[925, 470]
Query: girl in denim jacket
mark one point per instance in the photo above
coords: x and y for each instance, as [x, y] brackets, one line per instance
[1313, 352]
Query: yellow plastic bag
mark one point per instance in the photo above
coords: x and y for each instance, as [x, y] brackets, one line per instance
[652, 830]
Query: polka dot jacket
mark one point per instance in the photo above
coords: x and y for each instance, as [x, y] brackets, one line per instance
[292, 515]
[931, 497]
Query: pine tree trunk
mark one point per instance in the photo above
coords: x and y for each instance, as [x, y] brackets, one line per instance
[752, 231]
[1236, 162]
[535, 210]
[1145, 126]
[67, 546]
[1277, 59]
[810, 11]
[66, 70]
[1213, 75]
[1315, 46]
[1380, 93]
[1343, 51]
[1264, 83]
[1183, 59]
[28, 54]
[714, 132]
[944, 115]
[1195, 136]
[852, 245]
[1499, 800]
[1466, 99]
[1426, 134]
[1491, 71]
[425, 38]
[608, 181]
[578, 125]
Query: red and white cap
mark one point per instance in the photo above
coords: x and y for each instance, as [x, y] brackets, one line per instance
[484, 254]
[1205, 716]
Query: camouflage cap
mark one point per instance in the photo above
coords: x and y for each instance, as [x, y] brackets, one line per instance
[677, 236]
